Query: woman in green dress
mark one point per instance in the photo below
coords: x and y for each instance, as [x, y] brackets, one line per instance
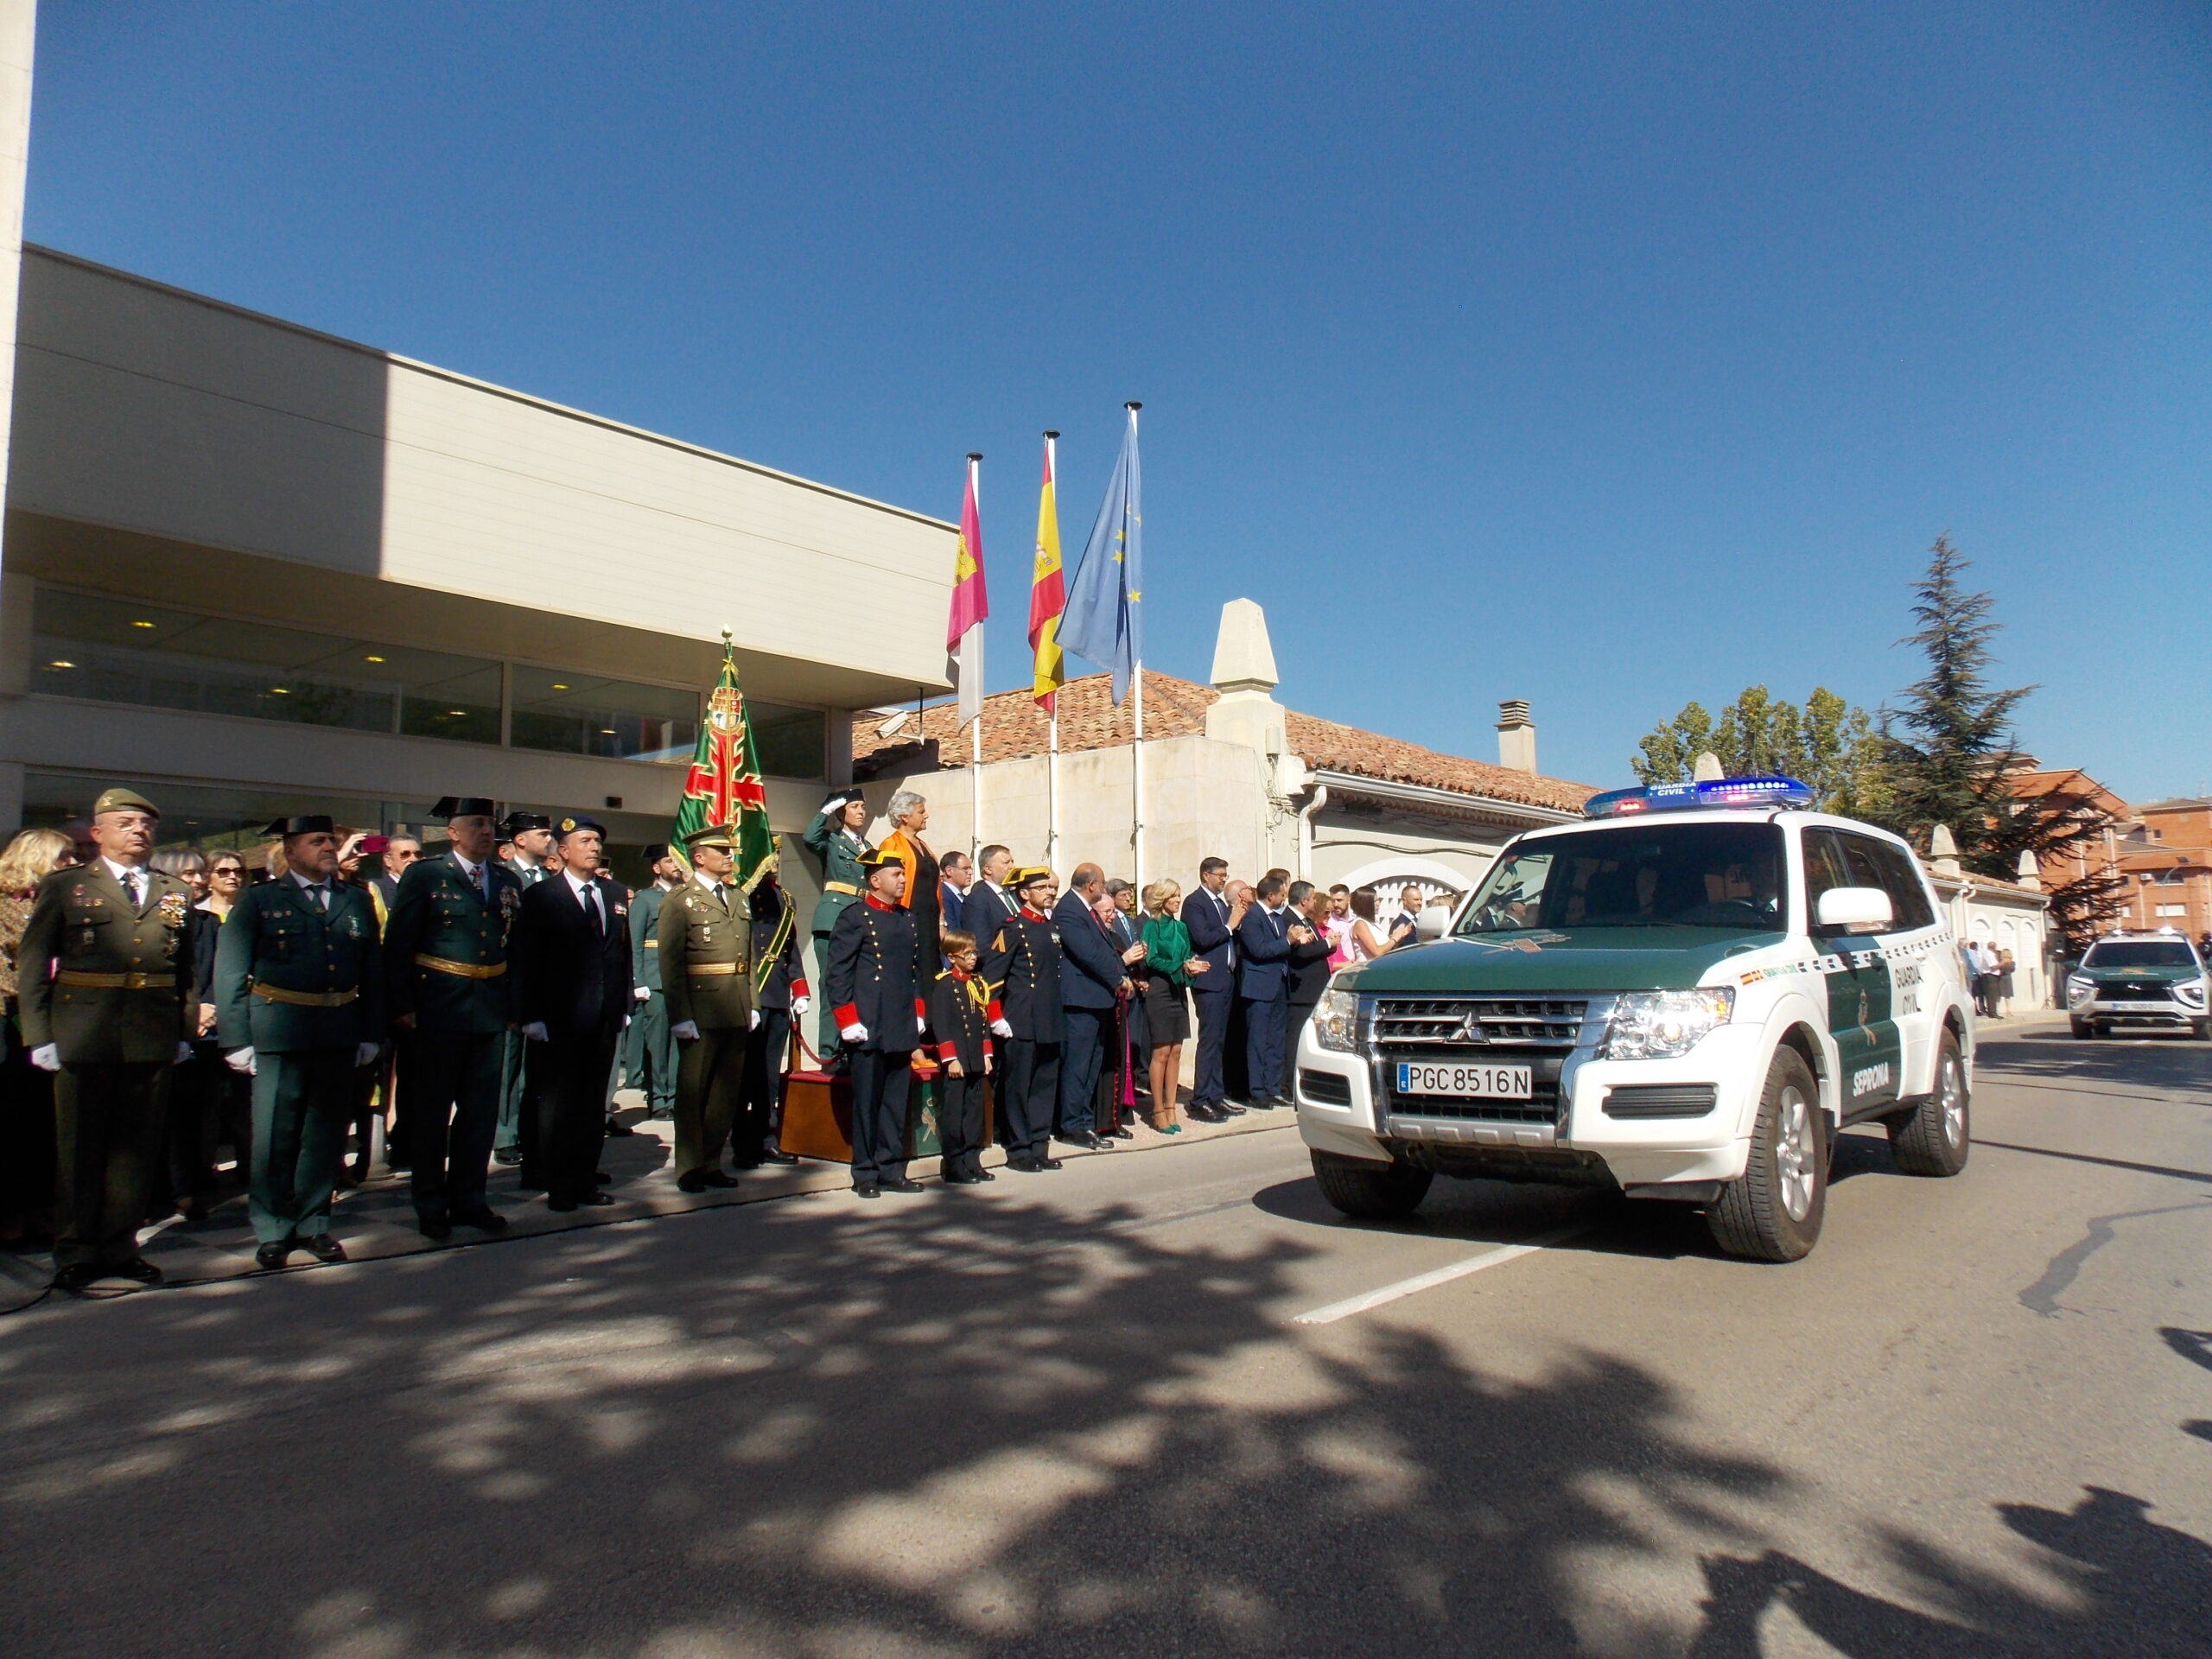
[1168, 963]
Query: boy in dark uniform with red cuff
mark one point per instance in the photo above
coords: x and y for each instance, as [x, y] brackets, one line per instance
[880, 1015]
[961, 1012]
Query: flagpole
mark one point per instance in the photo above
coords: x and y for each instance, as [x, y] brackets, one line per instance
[1136, 748]
[1053, 721]
[975, 731]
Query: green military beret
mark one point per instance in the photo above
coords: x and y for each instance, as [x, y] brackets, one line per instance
[124, 800]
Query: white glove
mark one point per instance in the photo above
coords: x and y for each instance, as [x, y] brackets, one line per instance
[47, 1057]
[240, 1060]
[535, 1031]
[999, 1027]
[800, 1005]
[644, 993]
[920, 1024]
[753, 1020]
[855, 1032]
[365, 1054]
[685, 1031]
[183, 1053]
[626, 1022]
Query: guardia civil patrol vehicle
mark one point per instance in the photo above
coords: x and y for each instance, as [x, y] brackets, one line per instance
[1686, 996]
[2146, 981]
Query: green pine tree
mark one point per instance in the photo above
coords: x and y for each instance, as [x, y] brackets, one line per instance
[1827, 745]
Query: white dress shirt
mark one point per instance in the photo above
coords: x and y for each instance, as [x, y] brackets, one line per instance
[588, 895]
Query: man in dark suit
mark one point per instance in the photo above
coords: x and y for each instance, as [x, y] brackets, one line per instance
[446, 987]
[780, 993]
[958, 871]
[1212, 921]
[1307, 974]
[526, 852]
[879, 1011]
[1264, 939]
[572, 950]
[1093, 973]
[1021, 975]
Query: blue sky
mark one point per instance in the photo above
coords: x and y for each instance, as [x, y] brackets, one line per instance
[1604, 356]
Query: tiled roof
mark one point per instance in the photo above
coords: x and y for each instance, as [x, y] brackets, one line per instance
[1014, 726]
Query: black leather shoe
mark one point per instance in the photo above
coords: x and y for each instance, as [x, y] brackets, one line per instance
[1229, 1109]
[980, 1174]
[560, 1206]
[484, 1220]
[1119, 1132]
[900, 1184]
[269, 1257]
[1086, 1140]
[691, 1180]
[596, 1200]
[866, 1190]
[602, 1178]
[771, 1155]
[138, 1268]
[76, 1278]
[715, 1177]
[616, 1127]
[323, 1248]
[959, 1177]
[508, 1156]
[434, 1227]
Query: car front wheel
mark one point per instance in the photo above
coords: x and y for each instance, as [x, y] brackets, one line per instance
[1368, 1192]
[1773, 1213]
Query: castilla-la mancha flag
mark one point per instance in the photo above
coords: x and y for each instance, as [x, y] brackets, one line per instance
[963, 626]
[1047, 594]
[723, 786]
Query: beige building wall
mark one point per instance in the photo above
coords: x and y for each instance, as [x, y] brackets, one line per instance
[18, 37]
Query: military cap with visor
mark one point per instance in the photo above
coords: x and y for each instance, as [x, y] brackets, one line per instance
[711, 835]
[124, 800]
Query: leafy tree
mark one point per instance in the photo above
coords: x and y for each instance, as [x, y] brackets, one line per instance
[1827, 743]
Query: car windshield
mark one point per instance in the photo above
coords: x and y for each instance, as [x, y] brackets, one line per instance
[2139, 953]
[1647, 874]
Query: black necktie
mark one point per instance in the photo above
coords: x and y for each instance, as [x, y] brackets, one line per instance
[134, 884]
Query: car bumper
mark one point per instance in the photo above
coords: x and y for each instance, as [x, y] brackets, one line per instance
[2165, 1013]
[1674, 1136]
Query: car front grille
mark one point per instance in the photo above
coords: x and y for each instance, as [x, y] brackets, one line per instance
[2125, 990]
[1476, 1022]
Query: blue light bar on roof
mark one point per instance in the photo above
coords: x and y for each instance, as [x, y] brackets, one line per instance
[1709, 796]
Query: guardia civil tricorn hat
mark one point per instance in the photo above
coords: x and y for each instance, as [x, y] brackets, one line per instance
[302, 824]
[464, 806]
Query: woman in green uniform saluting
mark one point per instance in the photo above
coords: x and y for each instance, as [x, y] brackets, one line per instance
[834, 836]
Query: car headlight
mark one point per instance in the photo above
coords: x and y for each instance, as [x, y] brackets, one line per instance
[1660, 1025]
[1335, 1021]
[2080, 988]
[2192, 993]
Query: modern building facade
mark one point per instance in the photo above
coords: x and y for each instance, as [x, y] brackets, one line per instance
[254, 569]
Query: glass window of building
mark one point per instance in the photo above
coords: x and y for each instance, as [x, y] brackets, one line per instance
[792, 742]
[124, 651]
[586, 714]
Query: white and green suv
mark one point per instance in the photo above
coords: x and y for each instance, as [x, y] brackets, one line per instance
[2144, 981]
[1687, 996]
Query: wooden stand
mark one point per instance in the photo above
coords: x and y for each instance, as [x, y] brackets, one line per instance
[818, 1117]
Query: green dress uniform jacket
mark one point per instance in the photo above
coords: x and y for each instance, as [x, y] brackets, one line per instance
[843, 879]
[706, 969]
[644, 938]
[289, 975]
[120, 992]
[445, 955]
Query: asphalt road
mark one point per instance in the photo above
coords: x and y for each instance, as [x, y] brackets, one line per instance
[1079, 1414]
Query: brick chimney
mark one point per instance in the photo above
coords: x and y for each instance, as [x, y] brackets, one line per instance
[1517, 736]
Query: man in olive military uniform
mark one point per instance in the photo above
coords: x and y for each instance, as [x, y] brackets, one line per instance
[706, 962]
[1022, 967]
[111, 1024]
[299, 1000]
[649, 1050]
[834, 834]
[445, 981]
[779, 990]
[524, 849]
[880, 1013]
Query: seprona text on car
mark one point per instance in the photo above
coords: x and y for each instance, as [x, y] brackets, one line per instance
[1687, 996]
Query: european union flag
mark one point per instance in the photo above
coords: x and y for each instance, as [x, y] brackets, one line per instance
[1105, 619]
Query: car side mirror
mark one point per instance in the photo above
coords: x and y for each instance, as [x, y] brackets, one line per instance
[1852, 910]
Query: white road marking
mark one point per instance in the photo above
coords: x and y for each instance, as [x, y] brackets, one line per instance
[1421, 1282]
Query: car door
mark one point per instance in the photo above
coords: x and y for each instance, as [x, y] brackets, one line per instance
[1869, 1055]
[1917, 954]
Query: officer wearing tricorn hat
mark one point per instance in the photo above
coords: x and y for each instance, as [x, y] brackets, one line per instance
[834, 834]
[299, 999]
[706, 948]
[871, 994]
[1022, 965]
[111, 1024]
[446, 984]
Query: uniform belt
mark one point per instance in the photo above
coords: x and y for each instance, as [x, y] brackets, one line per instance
[115, 982]
[840, 886]
[653, 944]
[713, 969]
[461, 970]
[305, 998]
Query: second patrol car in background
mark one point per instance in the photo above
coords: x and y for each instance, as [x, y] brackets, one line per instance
[2139, 982]
[1687, 996]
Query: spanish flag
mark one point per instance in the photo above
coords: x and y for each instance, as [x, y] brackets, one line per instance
[1047, 594]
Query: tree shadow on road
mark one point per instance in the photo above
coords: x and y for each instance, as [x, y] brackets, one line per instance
[2176, 1066]
[960, 1425]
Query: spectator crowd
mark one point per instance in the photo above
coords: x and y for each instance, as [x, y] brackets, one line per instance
[339, 994]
